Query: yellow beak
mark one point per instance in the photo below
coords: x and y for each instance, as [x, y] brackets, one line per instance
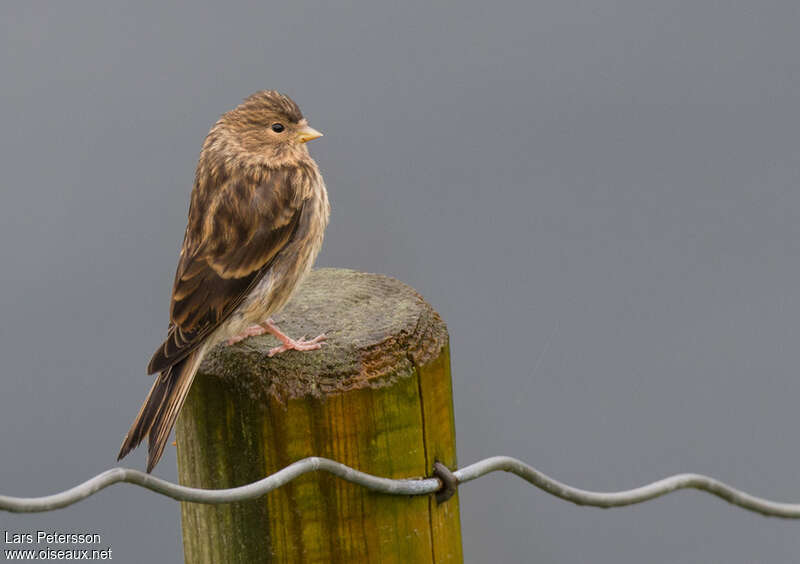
[307, 133]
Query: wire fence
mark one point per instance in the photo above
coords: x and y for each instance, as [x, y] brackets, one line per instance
[443, 484]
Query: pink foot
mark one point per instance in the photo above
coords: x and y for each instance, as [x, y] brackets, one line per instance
[290, 344]
[298, 345]
[253, 331]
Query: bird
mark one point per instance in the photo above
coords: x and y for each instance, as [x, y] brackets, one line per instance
[257, 217]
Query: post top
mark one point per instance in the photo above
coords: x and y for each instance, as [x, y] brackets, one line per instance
[378, 329]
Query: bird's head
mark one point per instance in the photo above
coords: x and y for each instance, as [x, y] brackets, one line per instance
[269, 127]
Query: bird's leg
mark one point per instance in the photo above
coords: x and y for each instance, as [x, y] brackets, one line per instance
[288, 343]
[253, 331]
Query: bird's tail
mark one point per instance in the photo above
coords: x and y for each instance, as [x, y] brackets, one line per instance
[160, 410]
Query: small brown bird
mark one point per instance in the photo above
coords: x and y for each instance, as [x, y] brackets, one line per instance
[257, 216]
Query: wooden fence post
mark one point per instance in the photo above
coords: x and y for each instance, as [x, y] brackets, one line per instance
[377, 397]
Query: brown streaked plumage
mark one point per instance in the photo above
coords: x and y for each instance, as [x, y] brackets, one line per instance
[258, 212]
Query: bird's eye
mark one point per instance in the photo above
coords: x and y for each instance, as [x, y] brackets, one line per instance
[277, 127]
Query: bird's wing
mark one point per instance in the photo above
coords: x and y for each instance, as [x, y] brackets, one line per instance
[234, 232]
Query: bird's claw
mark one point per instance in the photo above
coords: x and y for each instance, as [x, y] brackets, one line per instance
[299, 345]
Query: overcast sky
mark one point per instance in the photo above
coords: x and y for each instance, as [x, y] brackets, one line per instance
[600, 198]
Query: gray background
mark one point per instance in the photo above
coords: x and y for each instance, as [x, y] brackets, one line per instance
[599, 197]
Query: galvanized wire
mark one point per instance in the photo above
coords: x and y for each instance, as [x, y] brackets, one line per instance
[407, 487]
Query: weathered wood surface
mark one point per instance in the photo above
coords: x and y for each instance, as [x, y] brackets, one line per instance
[377, 397]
